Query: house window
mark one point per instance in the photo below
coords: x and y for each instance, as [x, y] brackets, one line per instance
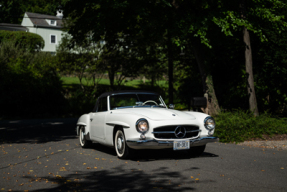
[53, 39]
[53, 22]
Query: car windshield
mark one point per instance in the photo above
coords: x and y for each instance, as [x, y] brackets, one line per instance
[136, 100]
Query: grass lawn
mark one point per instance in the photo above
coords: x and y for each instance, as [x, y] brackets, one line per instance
[131, 83]
[75, 80]
[71, 84]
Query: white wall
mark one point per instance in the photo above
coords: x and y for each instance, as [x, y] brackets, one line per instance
[45, 33]
[26, 22]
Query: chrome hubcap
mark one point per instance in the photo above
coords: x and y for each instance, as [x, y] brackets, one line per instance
[82, 136]
[120, 143]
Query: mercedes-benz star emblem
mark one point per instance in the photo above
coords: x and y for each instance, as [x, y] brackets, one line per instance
[180, 132]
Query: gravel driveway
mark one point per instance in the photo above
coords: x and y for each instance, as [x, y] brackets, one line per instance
[280, 145]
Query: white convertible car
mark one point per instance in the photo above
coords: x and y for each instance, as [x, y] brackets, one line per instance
[131, 120]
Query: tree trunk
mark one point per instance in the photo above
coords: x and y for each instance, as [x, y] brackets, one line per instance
[249, 73]
[170, 68]
[248, 65]
[111, 74]
[206, 78]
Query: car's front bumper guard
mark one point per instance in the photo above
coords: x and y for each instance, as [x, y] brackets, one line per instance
[152, 142]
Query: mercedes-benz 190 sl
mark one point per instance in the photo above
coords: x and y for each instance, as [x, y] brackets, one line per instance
[132, 120]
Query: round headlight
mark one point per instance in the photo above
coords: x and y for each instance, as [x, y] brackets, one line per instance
[209, 123]
[142, 126]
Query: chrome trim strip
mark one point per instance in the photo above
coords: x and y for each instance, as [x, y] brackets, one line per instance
[198, 130]
[153, 143]
[163, 132]
[166, 132]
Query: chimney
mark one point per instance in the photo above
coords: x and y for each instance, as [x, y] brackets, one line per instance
[60, 13]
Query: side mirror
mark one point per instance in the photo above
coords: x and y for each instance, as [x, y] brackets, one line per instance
[171, 106]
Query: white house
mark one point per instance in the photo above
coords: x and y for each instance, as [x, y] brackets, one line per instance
[47, 26]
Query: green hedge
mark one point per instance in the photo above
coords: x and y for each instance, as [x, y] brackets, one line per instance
[30, 41]
[30, 86]
[239, 126]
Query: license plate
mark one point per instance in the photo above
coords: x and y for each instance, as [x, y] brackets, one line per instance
[181, 145]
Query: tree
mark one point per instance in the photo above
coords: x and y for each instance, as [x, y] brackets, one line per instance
[120, 58]
[192, 21]
[28, 80]
[198, 17]
[82, 60]
[248, 65]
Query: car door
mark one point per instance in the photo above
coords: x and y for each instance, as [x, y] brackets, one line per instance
[98, 119]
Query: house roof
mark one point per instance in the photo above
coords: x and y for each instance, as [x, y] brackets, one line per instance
[12, 27]
[40, 20]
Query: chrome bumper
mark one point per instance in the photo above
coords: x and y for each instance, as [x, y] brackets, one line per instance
[150, 143]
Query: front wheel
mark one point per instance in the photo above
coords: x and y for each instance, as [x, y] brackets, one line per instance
[120, 145]
[83, 141]
[197, 151]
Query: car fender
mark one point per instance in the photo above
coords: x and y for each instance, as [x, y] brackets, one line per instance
[125, 120]
[84, 120]
[120, 123]
[200, 119]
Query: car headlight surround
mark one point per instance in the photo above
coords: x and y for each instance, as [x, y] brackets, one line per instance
[142, 125]
[209, 123]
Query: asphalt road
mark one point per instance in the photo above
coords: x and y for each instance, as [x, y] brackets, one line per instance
[44, 155]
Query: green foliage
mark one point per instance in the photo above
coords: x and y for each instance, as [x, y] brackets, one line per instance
[79, 102]
[12, 11]
[270, 64]
[29, 83]
[25, 40]
[139, 30]
[81, 60]
[120, 62]
[238, 126]
[217, 24]
[187, 78]
[154, 62]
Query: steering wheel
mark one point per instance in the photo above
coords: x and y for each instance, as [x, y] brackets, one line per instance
[149, 101]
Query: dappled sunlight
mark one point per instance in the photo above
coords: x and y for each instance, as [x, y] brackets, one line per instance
[117, 179]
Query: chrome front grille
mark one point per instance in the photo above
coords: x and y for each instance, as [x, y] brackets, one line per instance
[176, 132]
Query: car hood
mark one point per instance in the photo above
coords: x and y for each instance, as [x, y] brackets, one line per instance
[158, 113]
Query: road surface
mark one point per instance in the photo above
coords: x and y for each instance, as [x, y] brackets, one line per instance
[44, 155]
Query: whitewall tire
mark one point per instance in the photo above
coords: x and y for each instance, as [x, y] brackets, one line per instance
[83, 141]
[121, 147]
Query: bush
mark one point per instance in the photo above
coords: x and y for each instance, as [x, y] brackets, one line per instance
[30, 85]
[238, 126]
[25, 40]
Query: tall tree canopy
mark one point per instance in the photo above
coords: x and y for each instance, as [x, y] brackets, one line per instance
[182, 22]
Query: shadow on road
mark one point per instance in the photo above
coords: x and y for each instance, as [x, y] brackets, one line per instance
[166, 154]
[37, 131]
[153, 155]
[120, 179]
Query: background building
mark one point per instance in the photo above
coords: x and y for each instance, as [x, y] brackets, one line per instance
[47, 26]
